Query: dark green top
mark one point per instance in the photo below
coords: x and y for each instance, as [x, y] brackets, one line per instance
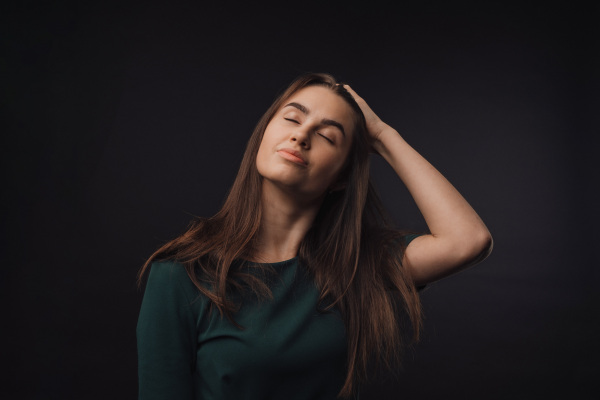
[287, 349]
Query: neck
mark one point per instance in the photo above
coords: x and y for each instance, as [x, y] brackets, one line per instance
[285, 221]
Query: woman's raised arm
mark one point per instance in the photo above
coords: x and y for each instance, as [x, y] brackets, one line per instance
[458, 238]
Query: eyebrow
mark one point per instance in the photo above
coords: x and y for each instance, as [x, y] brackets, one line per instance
[324, 121]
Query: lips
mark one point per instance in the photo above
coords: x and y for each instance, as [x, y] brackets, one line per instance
[292, 155]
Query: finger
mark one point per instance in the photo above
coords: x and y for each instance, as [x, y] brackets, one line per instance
[353, 93]
[348, 88]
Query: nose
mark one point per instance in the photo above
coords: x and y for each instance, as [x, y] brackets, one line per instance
[301, 136]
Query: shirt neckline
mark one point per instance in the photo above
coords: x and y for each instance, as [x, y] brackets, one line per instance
[277, 263]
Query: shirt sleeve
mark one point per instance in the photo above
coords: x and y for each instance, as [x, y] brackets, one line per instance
[166, 335]
[409, 238]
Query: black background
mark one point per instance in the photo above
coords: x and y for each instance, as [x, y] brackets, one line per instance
[121, 121]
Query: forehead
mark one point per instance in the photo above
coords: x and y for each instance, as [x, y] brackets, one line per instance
[322, 102]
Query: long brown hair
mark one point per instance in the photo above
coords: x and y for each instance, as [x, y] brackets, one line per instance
[351, 251]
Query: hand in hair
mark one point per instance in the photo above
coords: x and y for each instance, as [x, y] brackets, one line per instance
[375, 125]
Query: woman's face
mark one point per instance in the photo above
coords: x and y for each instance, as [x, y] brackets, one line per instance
[306, 143]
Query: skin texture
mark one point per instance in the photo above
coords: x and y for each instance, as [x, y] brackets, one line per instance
[293, 190]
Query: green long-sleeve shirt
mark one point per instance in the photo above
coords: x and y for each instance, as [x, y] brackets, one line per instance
[287, 349]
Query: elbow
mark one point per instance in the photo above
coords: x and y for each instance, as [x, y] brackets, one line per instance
[481, 246]
[487, 246]
[472, 248]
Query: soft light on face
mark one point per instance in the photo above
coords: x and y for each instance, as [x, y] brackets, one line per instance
[306, 143]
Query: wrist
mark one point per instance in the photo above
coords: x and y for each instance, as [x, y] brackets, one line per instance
[380, 144]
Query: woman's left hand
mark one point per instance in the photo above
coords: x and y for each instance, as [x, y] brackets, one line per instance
[375, 125]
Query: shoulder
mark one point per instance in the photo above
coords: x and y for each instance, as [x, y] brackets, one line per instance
[387, 242]
[401, 243]
[167, 270]
[170, 278]
[409, 237]
[395, 240]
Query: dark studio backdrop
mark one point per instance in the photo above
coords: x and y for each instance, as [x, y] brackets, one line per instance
[121, 122]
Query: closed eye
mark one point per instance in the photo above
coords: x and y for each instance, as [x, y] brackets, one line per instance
[325, 137]
[318, 133]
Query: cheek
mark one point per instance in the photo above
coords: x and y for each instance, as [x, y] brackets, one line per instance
[260, 157]
[344, 156]
[265, 151]
[267, 140]
[342, 164]
[334, 166]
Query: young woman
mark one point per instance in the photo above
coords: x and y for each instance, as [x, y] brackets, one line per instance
[299, 282]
